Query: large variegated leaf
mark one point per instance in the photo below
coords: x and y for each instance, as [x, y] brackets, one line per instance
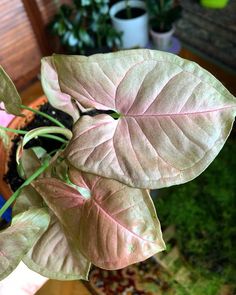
[57, 99]
[115, 227]
[174, 116]
[8, 94]
[51, 254]
[16, 240]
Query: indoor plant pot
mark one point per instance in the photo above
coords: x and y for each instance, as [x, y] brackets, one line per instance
[16, 123]
[214, 3]
[163, 15]
[162, 41]
[134, 29]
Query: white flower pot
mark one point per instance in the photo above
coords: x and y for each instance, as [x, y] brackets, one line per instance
[135, 30]
[162, 41]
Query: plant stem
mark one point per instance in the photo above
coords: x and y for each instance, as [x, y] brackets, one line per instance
[13, 130]
[25, 132]
[128, 9]
[43, 115]
[16, 194]
[45, 130]
[54, 137]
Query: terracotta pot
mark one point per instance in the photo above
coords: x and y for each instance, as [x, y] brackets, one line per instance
[16, 123]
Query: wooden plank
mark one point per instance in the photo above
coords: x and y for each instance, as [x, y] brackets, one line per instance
[53, 287]
[19, 52]
[38, 26]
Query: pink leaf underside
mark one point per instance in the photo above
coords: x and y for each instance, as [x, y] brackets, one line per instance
[175, 116]
[52, 255]
[57, 99]
[116, 227]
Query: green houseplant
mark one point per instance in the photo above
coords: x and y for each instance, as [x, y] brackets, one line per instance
[163, 15]
[143, 119]
[84, 27]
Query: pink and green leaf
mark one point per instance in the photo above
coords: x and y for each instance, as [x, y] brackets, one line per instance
[54, 259]
[115, 227]
[16, 240]
[174, 116]
[56, 97]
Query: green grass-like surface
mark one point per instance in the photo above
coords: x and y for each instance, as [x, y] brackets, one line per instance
[204, 214]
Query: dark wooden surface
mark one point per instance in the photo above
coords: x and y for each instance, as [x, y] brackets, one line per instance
[24, 37]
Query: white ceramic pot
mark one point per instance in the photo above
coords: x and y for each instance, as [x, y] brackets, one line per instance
[162, 41]
[135, 30]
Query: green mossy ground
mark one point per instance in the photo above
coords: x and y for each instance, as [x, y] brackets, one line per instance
[204, 213]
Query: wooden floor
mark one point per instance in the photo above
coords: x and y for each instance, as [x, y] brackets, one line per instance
[63, 288]
[35, 90]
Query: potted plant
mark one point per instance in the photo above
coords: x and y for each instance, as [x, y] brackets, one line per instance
[143, 120]
[214, 3]
[84, 27]
[131, 19]
[163, 14]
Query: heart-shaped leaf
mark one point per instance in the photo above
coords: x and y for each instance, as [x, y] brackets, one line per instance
[57, 99]
[8, 94]
[16, 240]
[116, 227]
[51, 254]
[174, 116]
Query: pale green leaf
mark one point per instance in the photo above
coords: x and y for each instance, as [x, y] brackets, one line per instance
[8, 94]
[174, 116]
[5, 138]
[16, 240]
[52, 259]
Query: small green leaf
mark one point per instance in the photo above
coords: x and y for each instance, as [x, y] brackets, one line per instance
[8, 94]
[5, 138]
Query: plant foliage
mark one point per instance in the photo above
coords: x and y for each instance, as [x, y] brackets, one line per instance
[142, 119]
[163, 13]
[84, 27]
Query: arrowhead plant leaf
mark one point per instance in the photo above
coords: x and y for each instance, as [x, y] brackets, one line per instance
[148, 120]
[57, 99]
[115, 227]
[9, 95]
[51, 254]
[174, 116]
[16, 240]
[56, 259]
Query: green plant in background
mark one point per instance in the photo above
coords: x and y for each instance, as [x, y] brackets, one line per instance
[163, 13]
[84, 27]
[204, 213]
[128, 9]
